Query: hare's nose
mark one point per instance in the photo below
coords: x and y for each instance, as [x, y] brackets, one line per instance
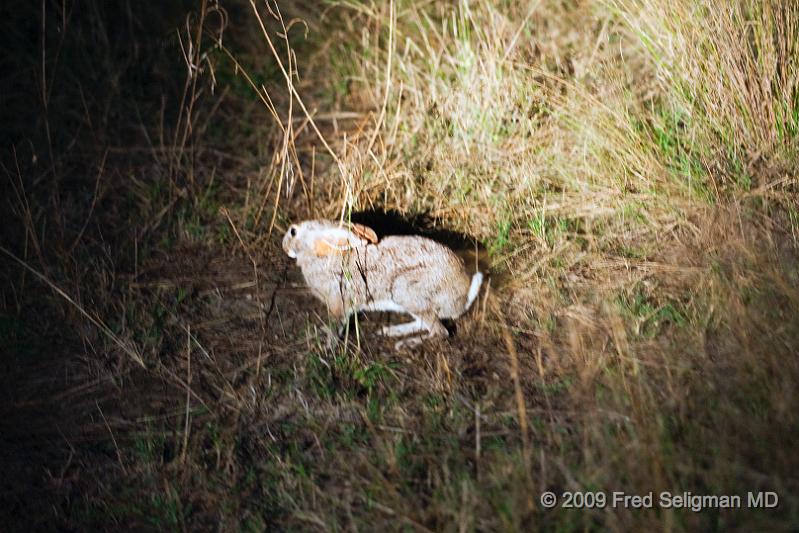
[289, 252]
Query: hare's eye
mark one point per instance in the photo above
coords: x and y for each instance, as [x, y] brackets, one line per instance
[293, 232]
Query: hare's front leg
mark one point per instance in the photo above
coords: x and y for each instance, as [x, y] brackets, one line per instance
[344, 321]
[340, 313]
[341, 326]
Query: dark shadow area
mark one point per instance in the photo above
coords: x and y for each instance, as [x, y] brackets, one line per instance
[124, 129]
[392, 222]
[84, 86]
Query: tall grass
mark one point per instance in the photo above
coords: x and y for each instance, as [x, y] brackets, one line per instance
[498, 131]
[489, 107]
[731, 71]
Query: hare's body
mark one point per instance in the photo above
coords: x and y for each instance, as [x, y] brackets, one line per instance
[384, 277]
[407, 274]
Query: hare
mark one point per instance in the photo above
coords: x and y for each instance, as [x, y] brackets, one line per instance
[350, 271]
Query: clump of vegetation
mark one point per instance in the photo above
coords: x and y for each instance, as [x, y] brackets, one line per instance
[627, 168]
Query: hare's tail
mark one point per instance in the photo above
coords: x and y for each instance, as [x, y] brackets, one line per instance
[474, 289]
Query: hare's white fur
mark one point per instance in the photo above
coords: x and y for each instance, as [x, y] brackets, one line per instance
[350, 271]
[474, 288]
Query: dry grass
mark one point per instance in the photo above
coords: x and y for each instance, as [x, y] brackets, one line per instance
[629, 168]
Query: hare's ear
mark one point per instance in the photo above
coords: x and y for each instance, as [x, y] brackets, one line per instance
[364, 232]
[329, 241]
[342, 240]
[325, 245]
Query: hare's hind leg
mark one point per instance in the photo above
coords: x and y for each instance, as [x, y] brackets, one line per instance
[393, 307]
[399, 330]
[429, 322]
